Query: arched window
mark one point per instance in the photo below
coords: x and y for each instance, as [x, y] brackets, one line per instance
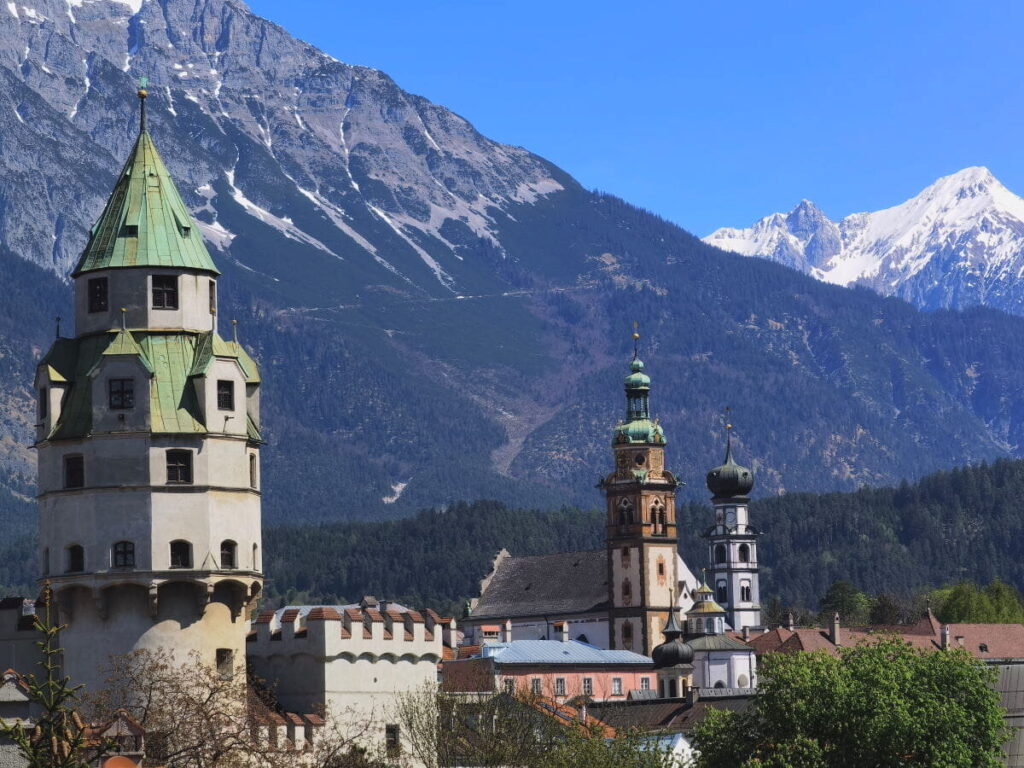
[720, 684]
[76, 558]
[625, 512]
[625, 557]
[719, 553]
[742, 681]
[228, 554]
[255, 557]
[627, 635]
[745, 594]
[252, 470]
[124, 554]
[721, 593]
[709, 626]
[181, 554]
[744, 553]
[627, 592]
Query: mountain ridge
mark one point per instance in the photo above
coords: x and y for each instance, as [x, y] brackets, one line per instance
[392, 389]
[958, 243]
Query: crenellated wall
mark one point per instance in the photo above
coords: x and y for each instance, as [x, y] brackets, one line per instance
[349, 662]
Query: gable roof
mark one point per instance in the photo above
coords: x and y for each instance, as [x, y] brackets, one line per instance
[558, 652]
[566, 583]
[145, 222]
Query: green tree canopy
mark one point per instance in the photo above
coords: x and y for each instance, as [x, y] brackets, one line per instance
[998, 603]
[882, 704]
[852, 605]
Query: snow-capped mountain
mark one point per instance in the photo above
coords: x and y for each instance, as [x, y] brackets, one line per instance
[334, 159]
[959, 243]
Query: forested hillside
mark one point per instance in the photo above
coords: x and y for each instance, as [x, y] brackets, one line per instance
[964, 524]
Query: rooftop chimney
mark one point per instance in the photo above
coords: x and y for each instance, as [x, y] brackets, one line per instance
[944, 642]
[562, 631]
[833, 633]
[746, 634]
[506, 631]
[789, 621]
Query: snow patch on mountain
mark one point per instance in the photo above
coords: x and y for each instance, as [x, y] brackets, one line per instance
[958, 243]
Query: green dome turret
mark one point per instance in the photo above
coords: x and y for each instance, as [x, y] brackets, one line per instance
[638, 426]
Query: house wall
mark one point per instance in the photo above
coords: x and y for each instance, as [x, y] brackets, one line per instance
[353, 665]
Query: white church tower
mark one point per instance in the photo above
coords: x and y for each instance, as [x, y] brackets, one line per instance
[733, 543]
[148, 440]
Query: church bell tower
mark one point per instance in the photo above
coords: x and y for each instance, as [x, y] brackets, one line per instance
[148, 434]
[732, 542]
[641, 534]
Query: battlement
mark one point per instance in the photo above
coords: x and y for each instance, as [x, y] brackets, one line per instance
[352, 631]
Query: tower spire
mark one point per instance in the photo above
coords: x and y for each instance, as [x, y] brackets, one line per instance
[143, 82]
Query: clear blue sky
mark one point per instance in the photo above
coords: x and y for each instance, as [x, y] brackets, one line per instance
[711, 113]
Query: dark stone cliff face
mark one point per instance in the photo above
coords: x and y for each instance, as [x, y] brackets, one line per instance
[439, 316]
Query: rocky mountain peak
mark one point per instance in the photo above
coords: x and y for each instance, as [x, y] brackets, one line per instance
[332, 158]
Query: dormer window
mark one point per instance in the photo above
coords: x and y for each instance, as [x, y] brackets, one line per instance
[121, 394]
[165, 292]
[225, 395]
[130, 230]
[98, 295]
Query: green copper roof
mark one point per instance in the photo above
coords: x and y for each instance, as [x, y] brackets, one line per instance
[171, 358]
[642, 431]
[637, 379]
[145, 222]
[124, 344]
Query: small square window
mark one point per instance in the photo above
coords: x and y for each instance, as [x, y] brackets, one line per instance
[559, 686]
[76, 558]
[616, 686]
[165, 292]
[510, 686]
[122, 394]
[225, 395]
[98, 295]
[645, 683]
[74, 472]
[535, 686]
[179, 466]
[588, 686]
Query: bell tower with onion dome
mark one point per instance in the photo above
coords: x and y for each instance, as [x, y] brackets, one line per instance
[148, 437]
[732, 542]
[641, 539]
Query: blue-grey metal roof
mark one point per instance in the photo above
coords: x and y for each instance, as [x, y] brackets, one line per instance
[558, 652]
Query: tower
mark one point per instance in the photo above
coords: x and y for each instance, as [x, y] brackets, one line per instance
[148, 440]
[640, 538]
[733, 542]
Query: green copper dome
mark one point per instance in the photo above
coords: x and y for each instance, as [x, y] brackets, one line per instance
[638, 427]
[637, 379]
[145, 222]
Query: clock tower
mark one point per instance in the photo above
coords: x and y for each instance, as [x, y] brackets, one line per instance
[641, 539]
[733, 542]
